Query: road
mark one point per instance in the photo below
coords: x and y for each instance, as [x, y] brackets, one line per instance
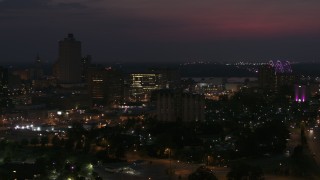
[295, 139]
[157, 170]
[313, 140]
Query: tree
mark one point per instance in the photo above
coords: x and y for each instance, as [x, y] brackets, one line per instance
[274, 135]
[34, 141]
[202, 173]
[76, 136]
[120, 151]
[41, 164]
[241, 171]
[56, 142]
[69, 144]
[44, 140]
[297, 151]
[7, 159]
[3, 144]
[24, 142]
[4, 174]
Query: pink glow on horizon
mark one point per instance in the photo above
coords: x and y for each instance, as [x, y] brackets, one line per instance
[220, 19]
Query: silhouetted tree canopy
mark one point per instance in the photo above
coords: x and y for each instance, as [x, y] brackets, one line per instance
[202, 173]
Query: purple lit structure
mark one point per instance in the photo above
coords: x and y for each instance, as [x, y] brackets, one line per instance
[300, 93]
[276, 74]
[281, 67]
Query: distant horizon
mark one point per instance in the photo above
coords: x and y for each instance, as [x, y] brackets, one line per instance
[167, 62]
[217, 54]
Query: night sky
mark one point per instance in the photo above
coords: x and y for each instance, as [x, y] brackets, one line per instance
[162, 30]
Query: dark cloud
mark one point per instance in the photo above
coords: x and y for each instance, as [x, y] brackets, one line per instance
[71, 5]
[8, 5]
[22, 4]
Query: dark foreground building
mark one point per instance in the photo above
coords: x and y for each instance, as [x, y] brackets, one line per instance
[19, 171]
[177, 106]
[4, 100]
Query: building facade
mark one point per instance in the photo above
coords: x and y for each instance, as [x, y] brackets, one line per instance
[142, 84]
[174, 106]
[85, 65]
[68, 67]
[275, 75]
[267, 77]
[4, 99]
[37, 72]
[106, 85]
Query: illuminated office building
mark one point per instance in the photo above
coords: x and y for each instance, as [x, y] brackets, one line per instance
[106, 85]
[142, 84]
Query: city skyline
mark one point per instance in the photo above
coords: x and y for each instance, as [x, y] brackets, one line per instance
[179, 89]
[166, 31]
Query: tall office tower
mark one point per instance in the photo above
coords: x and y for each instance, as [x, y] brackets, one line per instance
[85, 64]
[106, 85]
[267, 77]
[171, 78]
[284, 75]
[68, 66]
[4, 100]
[37, 73]
[276, 75]
[142, 84]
